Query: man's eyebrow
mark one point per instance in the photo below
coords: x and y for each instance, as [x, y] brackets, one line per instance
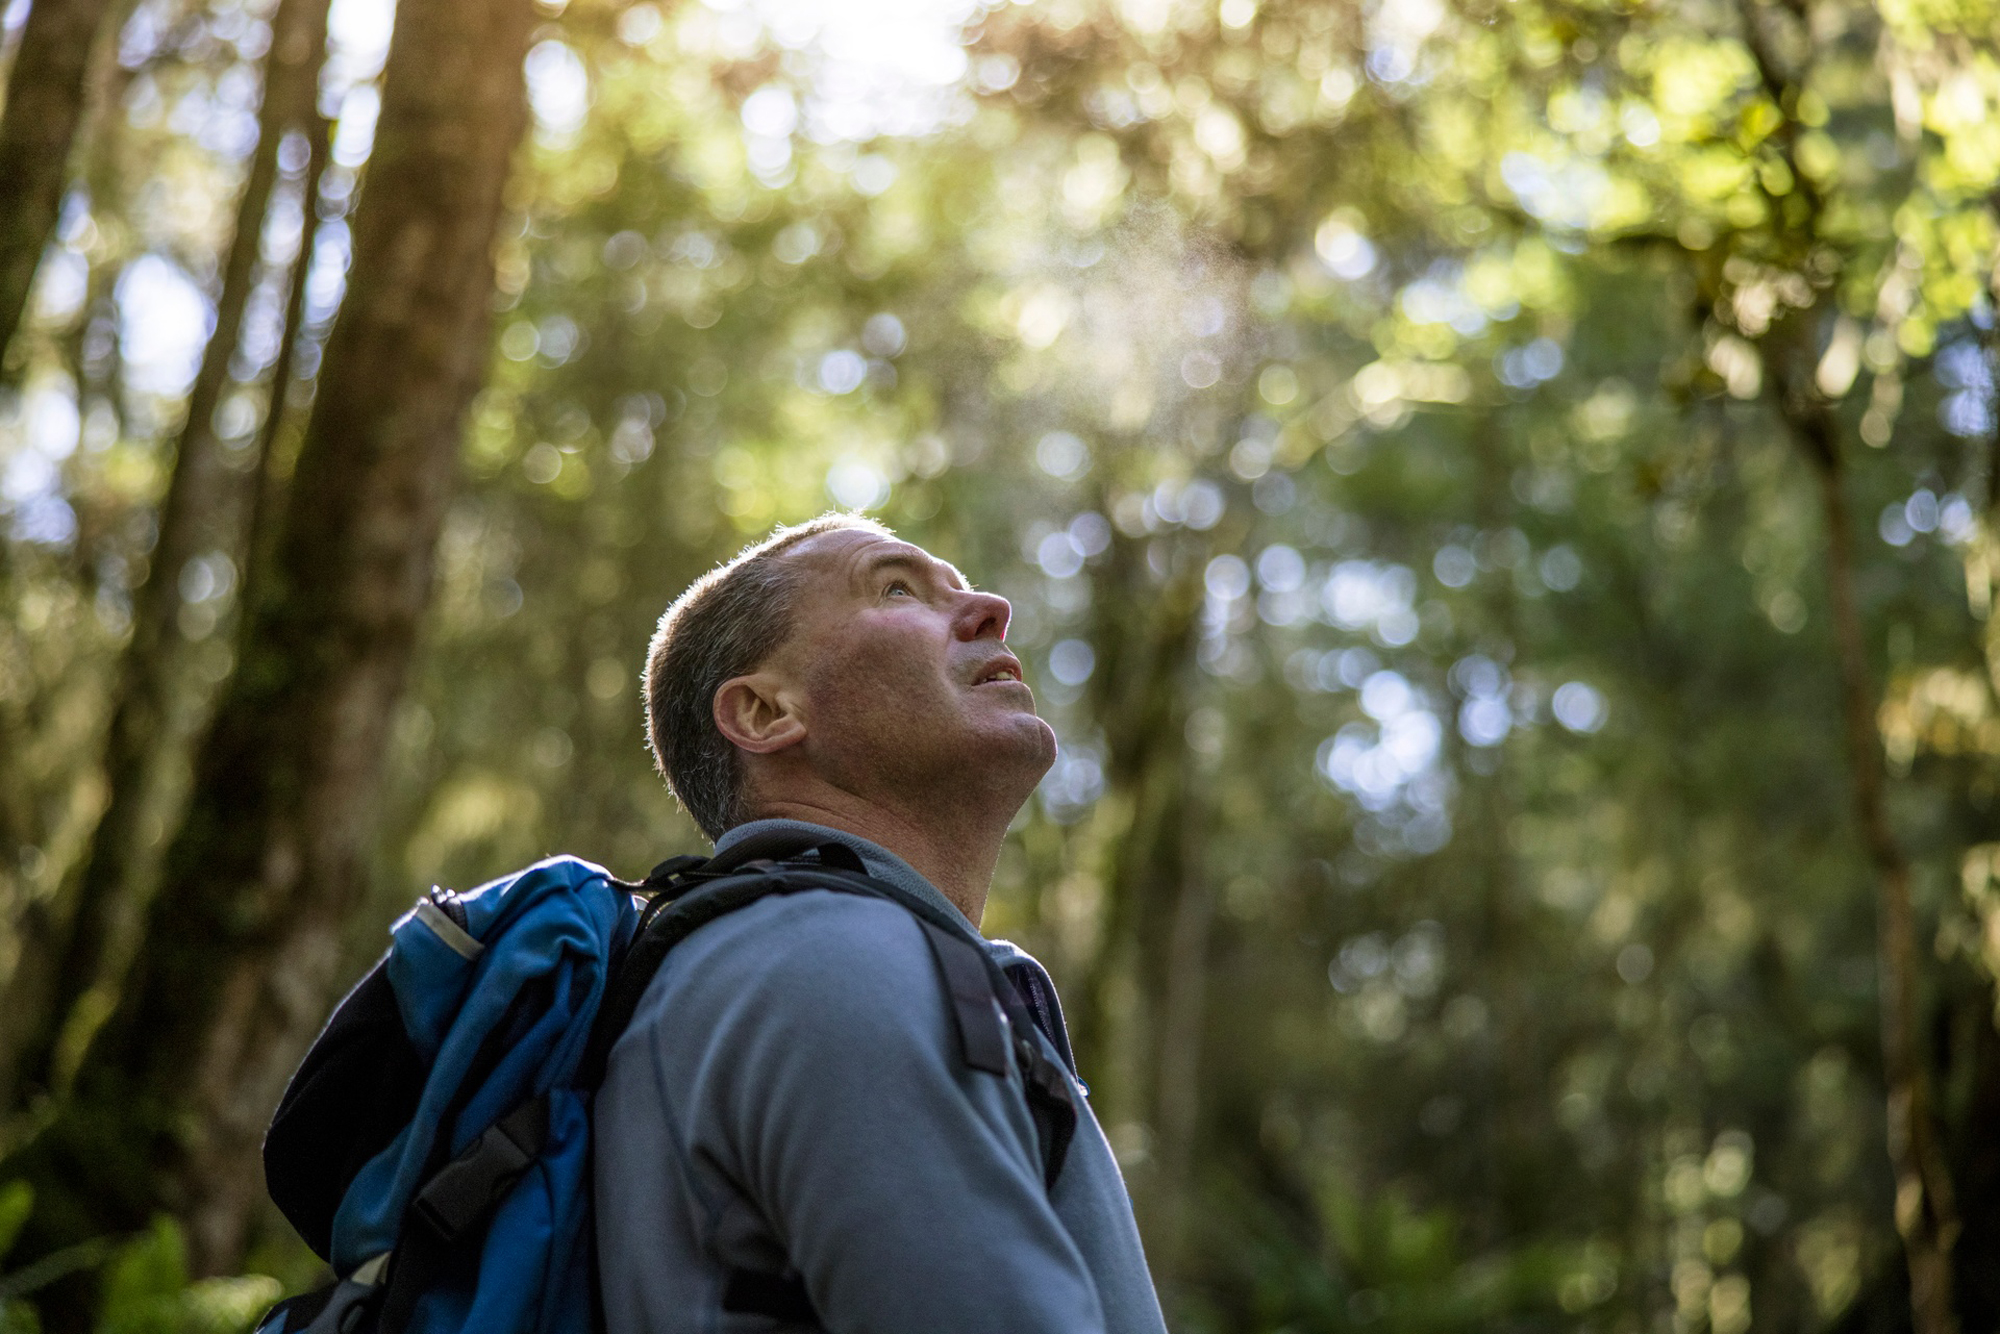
[918, 563]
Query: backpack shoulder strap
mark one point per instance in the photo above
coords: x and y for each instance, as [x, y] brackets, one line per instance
[988, 1014]
[982, 1037]
[687, 894]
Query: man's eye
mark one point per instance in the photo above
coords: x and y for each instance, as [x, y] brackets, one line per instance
[899, 586]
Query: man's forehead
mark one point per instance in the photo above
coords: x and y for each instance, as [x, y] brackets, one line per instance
[852, 553]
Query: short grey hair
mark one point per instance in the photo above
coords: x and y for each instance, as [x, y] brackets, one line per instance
[727, 623]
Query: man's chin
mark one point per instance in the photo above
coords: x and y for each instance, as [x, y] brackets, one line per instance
[1044, 739]
[1024, 740]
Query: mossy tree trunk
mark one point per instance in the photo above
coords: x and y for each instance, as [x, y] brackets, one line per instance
[47, 93]
[1926, 1207]
[1140, 1008]
[241, 949]
[55, 1011]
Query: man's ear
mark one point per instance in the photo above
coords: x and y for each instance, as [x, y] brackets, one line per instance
[758, 714]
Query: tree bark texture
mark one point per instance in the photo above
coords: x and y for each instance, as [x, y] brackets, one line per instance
[242, 942]
[274, 471]
[1141, 1012]
[1179, 999]
[46, 95]
[1144, 641]
[1926, 1209]
[201, 511]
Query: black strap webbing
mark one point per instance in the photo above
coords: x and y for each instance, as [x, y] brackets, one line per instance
[747, 1292]
[470, 1185]
[457, 1199]
[689, 898]
[1049, 1098]
[982, 1034]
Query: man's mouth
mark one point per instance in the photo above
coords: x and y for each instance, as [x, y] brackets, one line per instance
[1000, 671]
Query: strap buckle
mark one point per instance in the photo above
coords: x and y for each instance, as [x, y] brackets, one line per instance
[470, 1185]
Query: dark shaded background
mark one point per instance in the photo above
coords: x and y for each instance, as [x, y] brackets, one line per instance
[1497, 499]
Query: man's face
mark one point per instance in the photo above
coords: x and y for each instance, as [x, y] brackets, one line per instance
[902, 676]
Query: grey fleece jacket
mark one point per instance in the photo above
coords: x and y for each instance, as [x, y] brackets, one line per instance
[790, 1098]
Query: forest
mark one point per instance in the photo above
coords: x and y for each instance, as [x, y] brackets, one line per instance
[1500, 501]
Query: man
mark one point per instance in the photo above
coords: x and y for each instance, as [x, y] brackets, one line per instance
[789, 1099]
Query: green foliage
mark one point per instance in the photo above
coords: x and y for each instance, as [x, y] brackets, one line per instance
[144, 1285]
[1377, 419]
[146, 1290]
[17, 1199]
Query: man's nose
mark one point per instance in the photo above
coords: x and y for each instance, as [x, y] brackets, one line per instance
[984, 616]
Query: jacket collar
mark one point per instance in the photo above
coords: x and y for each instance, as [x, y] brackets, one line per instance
[881, 862]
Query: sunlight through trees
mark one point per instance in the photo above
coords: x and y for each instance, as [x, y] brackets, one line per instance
[1499, 501]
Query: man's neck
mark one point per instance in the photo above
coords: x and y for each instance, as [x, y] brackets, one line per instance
[956, 855]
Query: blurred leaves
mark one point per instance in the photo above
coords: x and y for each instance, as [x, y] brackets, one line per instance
[147, 1291]
[1374, 415]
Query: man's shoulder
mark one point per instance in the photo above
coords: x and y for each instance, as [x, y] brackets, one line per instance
[815, 951]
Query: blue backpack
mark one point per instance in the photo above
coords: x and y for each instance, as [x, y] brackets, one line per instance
[434, 1147]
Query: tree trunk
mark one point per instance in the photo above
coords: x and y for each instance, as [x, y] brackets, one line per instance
[1144, 639]
[273, 471]
[201, 511]
[1179, 1003]
[1139, 1008]
[46, 92]
[242, 946]
[1926, 1211]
